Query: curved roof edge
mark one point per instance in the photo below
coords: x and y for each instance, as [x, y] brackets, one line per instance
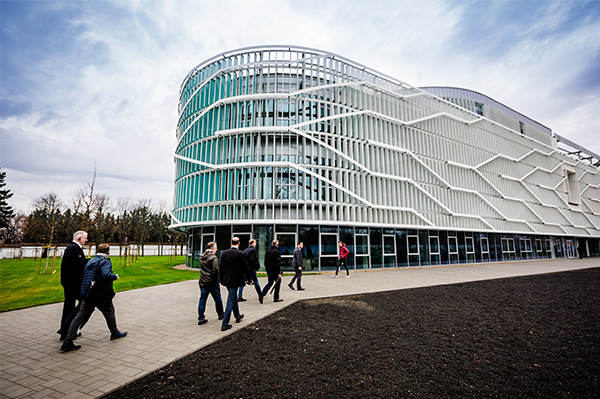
[454, 92]
[299, 48]
[431, 90]
[449, 91]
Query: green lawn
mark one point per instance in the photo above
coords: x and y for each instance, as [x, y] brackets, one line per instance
[21, 286]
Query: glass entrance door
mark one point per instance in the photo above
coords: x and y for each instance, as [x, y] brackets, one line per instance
[413, 250]
[362, 251]
[453, 249]
[571, 252]
[389, 250]
[434, 250]
[287, 244]
[329, 251]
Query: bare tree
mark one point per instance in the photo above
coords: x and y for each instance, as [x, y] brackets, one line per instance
[101, 207]
[13, 233]
[49, 205]
[88, 203]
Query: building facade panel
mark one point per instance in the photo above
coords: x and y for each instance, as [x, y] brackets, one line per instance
[291, 142]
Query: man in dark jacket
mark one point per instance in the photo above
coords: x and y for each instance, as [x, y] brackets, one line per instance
[234, 273]
[272, 264]
[209, 282]
[71, 275]
[254, 265]
[297, 265]
[99, 270]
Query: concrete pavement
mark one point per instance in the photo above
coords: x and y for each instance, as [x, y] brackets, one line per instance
[162, 326]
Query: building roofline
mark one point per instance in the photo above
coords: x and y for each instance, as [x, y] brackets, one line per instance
[377, 74]
[490, 98]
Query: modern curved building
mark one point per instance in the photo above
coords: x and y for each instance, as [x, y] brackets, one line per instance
[301, 144]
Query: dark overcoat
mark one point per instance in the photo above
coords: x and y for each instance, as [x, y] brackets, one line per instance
[234, 270]
[273, 262]
[71, 267]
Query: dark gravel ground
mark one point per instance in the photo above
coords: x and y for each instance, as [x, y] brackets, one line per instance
[535, 336]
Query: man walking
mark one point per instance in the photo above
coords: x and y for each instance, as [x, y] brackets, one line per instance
[209, 282]
[234, 273]
[98, 270]
[71, 275]
[272, 264]
[342, 259]
[297, 265]
[254, 265]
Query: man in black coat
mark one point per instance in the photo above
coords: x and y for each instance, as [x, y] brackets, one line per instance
[71, 276]
[297, 265]
[234, 273]
[254, 265]
[273, 264]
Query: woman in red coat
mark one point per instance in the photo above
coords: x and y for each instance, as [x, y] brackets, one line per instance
[342, 260]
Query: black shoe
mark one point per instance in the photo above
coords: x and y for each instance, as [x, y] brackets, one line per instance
[238, 319]
[221, 317]
[241, 300]
[227, 327]
[202, 322]
[301, 289]
[117, 335]
[278, 300]
[63, 337]
[260, 299]
[69, 346]
[291, 287]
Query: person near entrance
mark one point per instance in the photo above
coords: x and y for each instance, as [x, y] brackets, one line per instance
[209, 282]
[273, 266]
[342, 259]
[297, 265]
[254, 265]
[234, 274]
[71, 276]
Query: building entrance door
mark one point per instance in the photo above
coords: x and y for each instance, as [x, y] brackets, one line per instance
[362, 251]
[329, 251]
[571, 252]
[287, 244]
[206, 238]
[389, 250]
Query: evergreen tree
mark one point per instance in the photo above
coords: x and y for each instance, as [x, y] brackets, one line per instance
[6, 211]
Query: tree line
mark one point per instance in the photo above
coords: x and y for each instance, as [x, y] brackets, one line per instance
[53, 221]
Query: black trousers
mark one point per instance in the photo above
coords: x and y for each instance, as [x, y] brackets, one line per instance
[341, 262]
[86, 310]
[297, 277]
[272, 280]
[71, 295]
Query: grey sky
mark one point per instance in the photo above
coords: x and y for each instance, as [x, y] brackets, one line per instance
[84, 83]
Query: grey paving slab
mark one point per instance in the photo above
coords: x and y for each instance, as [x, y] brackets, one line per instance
[162, 326]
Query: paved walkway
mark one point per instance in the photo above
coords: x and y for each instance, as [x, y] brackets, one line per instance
[162, 326]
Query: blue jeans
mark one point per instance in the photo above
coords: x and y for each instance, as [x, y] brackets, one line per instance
[215, 292]
[232, 306]
[256, 285]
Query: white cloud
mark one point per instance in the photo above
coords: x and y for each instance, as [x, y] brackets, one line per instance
[106, 90]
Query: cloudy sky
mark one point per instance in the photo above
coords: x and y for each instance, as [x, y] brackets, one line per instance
[95, 83]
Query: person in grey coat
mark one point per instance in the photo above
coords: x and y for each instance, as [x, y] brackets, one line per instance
[99, 270]
[297, 265]
[209, 282]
